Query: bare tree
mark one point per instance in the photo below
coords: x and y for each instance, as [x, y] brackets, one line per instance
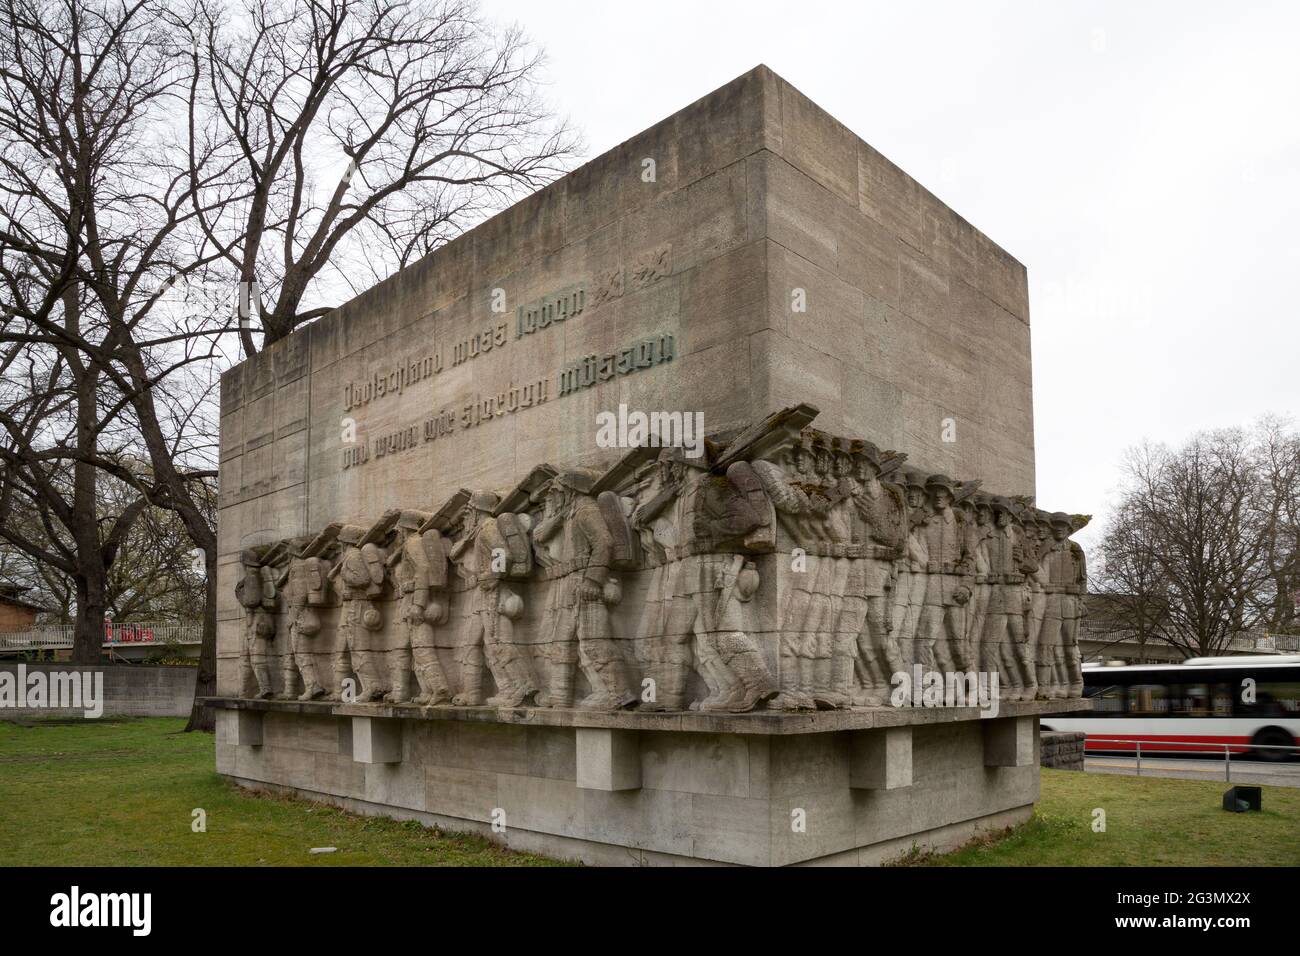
[418, 117]
[363, 132]
[370, 132]
[1128, 576]
[152, 575]
[1186, 554]
[1278, 462]
[58, 409]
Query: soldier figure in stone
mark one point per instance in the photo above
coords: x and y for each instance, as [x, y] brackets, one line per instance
[878, 537]
[491, 550]
[907, 598]
[803, 513]
[1063, 585]
[1037, 542]
[306, 591]
[574, 543]
[1075, 609]
[256, 594]
[1006, 643]
[980, 513]
[360, 575]
[949, 574]
[699, 522]
[420, 573]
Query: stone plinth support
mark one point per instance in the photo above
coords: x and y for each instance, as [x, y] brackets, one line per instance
[1009, 742]
[880, 759]
[855, 787]
[608, 759]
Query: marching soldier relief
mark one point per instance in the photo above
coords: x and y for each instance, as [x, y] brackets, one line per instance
[648, 512]
[875, 568]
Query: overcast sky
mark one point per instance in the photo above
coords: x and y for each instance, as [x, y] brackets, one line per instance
[1140, 159]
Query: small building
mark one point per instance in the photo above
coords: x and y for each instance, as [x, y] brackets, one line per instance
[15, 613]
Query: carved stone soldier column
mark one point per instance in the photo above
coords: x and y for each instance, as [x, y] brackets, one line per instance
[1037, 542]
[908, 596]
[361, 578]
[1006, 642]
[490, 550]
[980, 514]
[578, 546]
[307, 590]
[941, 635]
[879, 536]
[420, 573]
[700, 522]
[1065, 581]
[256, 594]
[802, 512]
[1076, 608]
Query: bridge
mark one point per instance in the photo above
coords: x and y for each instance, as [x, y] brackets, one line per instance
[127, 641]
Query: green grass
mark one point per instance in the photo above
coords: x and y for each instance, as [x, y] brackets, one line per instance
[121, 793]
[1150, 821]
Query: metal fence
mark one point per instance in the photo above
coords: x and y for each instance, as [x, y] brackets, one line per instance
[59, 636]
[1174, 748]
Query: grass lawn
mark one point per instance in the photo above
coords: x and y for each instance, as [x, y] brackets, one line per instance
[100, 793]
[121, 793]
[1150, 821]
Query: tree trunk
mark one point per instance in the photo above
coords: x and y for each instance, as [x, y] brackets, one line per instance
[205, 685]
[88, 629]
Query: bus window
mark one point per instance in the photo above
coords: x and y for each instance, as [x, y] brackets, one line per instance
[1190, 700]
[1150, 699]
[1287, 696]
[1274, 699]
[1221, 700]
[1106, 701]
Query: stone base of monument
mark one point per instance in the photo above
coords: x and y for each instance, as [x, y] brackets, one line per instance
[849, 788]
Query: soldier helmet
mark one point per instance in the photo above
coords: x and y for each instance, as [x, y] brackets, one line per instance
[412, 520]
[870, 451]
[351, 533]
[941, 481]
[913, 479]
[484, 501]
[1059, 519]
[1002, 504]
[576, 479]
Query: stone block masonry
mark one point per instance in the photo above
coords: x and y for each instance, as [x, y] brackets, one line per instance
[431, 564]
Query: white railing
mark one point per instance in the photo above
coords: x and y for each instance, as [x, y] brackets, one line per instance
[116, 636]
[1170, 748]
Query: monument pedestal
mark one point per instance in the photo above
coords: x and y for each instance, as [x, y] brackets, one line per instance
[736, 416]
[833, 787]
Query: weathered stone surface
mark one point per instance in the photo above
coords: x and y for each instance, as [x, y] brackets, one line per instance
[450, 547]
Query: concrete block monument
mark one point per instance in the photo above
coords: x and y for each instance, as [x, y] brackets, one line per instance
[621, 527]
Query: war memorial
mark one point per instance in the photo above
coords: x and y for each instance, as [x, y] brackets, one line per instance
[464, 580]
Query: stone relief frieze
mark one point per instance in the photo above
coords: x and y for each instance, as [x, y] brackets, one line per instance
[785, 569]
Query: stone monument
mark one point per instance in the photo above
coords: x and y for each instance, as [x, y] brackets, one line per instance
[621, 528]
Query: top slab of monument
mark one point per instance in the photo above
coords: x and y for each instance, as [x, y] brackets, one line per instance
[773, 258]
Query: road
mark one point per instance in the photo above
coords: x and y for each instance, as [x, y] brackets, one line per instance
[1281, 774]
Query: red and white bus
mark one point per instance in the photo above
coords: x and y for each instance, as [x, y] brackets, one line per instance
[1198, 706]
